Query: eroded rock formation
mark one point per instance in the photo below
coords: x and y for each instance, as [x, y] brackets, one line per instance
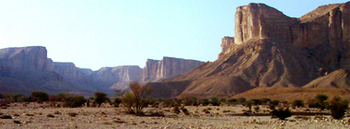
[271, 49]
[70, 71]
[168, 67]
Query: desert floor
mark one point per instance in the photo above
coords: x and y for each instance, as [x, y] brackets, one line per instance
[112, 117]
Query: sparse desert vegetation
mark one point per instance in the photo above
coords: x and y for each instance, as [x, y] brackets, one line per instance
[188, 112]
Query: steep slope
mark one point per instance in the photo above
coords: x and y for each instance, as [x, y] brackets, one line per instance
[337, 79]
[273, 50]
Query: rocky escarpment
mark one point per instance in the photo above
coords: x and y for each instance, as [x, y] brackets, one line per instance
[25, 58]
[271, 49]
[115, 77]
[168, 67]
[70, 71]
[27, 69]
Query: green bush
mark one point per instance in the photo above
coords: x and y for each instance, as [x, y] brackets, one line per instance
[248, 104]
[74, 101]
[265, 100]
[168, 102]
[39, 96]
[117, 100]
[275, 102]
[204, 101]
[231, 100]
[100, 97]
[214, 101]
[298, 103]
[222, 100]
[17, 97]
[338, 107]
[63, 96]
[256, 101]
[241, 100]
[321, 97]
[281, 113]
[5, 117]
[187, 100]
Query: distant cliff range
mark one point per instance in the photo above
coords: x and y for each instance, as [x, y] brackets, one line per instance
[26, 69]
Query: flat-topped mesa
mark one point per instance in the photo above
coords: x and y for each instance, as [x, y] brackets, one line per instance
[24, 58]
[259, 21]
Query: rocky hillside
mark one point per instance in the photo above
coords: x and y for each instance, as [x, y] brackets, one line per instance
[271, 49]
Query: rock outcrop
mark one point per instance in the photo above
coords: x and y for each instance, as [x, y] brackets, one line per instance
[168, 67]
[70, 71]
[271, 49]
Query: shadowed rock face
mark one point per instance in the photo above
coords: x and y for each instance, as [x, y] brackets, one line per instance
[116, 77]
[272, 50]
[26, 58]
[27, 69]
[70, 71]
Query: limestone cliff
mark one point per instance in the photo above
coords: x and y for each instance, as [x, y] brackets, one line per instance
[168, 67]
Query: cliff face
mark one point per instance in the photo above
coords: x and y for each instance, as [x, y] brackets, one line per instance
[324, 31]
[272, 50]
[25, 58]
[167, 67]
[27, 69]
[108, 78]
[70, 71]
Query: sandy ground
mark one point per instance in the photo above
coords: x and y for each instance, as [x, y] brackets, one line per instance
[112, 117]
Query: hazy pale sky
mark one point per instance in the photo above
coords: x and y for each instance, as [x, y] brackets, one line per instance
[97, 33]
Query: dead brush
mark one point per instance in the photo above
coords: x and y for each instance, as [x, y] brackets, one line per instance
[72, 114]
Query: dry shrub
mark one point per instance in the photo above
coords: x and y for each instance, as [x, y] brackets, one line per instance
[133, 100]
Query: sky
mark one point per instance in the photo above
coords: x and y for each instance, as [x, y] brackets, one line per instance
[98, 33]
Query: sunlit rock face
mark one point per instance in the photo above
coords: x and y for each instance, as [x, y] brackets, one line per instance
[270, 49]
[156, 70]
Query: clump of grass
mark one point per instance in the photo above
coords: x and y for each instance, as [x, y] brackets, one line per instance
[282, 114]
[72, 114]
[226, 111]
[206, 111]
[27, 114]
[5, 117]
[57, 112]
[16, 122]
[50, 115]
[176, 109]
[185, 111]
